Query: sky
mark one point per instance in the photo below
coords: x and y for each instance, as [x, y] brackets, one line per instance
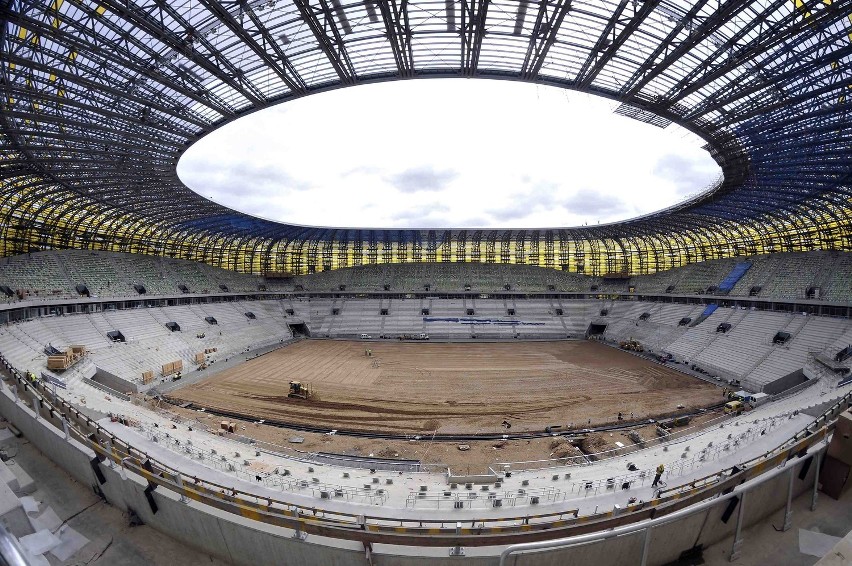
[443, 153]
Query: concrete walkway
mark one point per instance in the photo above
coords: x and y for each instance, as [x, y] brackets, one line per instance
[765, 545]
[112, 541]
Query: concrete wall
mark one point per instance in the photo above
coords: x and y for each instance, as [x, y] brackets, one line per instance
[224, 535]
[113, 381]
[243, 541]
[786, 382]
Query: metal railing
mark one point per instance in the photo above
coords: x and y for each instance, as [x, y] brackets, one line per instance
[11, 552]
[648, 525]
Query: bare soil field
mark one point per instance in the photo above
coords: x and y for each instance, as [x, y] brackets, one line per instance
[421, 388]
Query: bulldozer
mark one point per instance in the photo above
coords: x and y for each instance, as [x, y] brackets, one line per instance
[299, 390]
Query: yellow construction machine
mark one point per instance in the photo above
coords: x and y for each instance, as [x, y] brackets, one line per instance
[298, 390]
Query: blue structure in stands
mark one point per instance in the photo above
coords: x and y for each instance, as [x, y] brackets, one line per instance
[733, 277]
[710, 309]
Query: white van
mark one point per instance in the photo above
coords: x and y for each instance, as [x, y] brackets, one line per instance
[365, 336]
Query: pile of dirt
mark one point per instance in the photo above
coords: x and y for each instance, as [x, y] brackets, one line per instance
[386, 452]
[565, 451]
[562, 448]
[593, 443]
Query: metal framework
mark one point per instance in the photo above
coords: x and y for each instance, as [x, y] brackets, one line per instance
[100, 98]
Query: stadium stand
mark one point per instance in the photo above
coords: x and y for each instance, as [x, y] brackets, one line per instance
[109, 274]
[731, 278]
[111, 371]
[445, 277]
[102, 99]
[829, 271]
[149, 344]
[54, 274]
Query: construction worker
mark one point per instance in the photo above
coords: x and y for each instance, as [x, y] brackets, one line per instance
[659, 474]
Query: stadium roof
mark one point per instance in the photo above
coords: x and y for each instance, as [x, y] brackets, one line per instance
[100, 99]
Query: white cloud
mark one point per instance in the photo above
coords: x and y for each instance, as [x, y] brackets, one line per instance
[448, 153]
[423, 178]
[689, 172]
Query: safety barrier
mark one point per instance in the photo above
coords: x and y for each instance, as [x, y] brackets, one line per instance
[115, 452]
[738, 495]
[469, 499]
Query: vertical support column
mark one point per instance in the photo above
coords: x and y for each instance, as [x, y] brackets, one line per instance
[457, 550]
[738, 539]
[299, 535]
[815, 494]
[109, 452]
[788, 510]
[179, 481]
[646, 546]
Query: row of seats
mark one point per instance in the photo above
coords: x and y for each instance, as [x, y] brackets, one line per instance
[745, 352]
[149, 343]
[783, 276]
[453, 277]
[109, 274]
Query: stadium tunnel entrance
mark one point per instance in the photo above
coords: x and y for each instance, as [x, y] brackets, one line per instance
[299, 329]
[596, 329]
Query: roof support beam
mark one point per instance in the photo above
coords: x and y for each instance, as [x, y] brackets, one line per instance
[603, 42]
[547, 23]
[714, 104]
[79, 39]
[592, 67]
[395, 16]
[285, 70]
[766, 40]
[473, 16]
[672, 51]
[215, 67]
[328, 37]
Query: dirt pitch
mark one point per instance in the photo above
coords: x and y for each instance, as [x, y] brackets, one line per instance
[420, 387]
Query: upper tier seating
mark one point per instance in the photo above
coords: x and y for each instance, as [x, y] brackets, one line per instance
[55, 274]
[447, 277]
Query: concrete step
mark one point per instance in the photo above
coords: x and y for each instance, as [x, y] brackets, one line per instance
[9, 478]
[26, 484]
[7, 439]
